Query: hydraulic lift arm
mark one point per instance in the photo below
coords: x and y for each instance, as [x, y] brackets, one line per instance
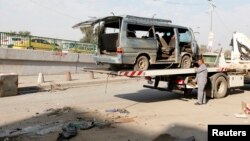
[241, 47]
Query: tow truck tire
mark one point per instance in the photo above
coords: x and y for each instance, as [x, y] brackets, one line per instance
[141, 63]
[220, 87]
[186, 62]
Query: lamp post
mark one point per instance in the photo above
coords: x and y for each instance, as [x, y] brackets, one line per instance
[211, 34]
[212, 6]
[197, 33]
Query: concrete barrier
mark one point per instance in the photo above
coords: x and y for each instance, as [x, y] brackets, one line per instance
[32, 62]
[8, 84]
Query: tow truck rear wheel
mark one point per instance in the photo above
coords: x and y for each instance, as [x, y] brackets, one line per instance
[186, 62]
[141, 63]
[220, 87]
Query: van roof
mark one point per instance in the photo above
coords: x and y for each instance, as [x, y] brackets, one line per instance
[130, 18]
[144, 19]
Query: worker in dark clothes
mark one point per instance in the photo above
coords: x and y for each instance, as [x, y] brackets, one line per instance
[201, 80]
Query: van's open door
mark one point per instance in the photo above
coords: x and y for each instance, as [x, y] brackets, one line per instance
[94, 21]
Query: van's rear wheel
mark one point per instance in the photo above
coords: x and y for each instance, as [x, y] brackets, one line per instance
[220, 87]
[186, 62]
[141, 63]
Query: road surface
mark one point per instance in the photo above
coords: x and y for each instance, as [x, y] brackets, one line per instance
[153, 114]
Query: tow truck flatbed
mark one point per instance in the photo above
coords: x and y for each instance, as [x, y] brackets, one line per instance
[165, 72]
[225, 75]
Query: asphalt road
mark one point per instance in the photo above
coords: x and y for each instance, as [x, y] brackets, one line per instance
[152, 114]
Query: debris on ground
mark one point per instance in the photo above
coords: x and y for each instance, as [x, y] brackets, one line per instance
[50, 127]
[123, 111]
[71, 129]
[38, 129]
[58, 112]
[84, 125]
[245, 107]
[54, 87]
[105, 124]
[67, 129]
[15, 130]
[68, 132]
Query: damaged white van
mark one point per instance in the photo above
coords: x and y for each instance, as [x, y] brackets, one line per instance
[141, 42]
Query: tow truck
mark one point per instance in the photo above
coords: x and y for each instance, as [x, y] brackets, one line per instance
[224, 75]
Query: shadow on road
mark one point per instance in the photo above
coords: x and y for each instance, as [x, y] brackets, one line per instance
[148, 96]
[240, 90]
[247, 87]
[179, 131]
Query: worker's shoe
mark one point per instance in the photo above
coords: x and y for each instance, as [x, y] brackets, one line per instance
[197, 103]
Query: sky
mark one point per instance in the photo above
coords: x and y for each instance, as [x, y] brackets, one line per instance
[55, 18]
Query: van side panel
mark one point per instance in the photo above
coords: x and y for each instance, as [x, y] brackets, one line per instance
[133, 47]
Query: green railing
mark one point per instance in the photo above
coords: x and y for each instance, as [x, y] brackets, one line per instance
[78, 47]
[17, 41]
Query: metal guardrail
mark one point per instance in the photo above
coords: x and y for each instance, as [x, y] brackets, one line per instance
[78, 47]
[18, 41]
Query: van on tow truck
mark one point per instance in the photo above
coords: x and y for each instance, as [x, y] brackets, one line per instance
[140, 42]
[223, 76]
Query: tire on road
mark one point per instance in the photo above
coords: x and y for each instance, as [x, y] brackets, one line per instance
[220, 87]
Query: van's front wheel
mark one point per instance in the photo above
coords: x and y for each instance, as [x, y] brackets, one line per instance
[141, 63]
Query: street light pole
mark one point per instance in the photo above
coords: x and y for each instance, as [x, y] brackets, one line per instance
[211, 35]
[212, 6]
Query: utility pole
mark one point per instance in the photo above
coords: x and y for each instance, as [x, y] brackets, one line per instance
[211, 34]
[212, 6]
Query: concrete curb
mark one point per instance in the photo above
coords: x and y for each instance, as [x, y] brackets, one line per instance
[68, 84]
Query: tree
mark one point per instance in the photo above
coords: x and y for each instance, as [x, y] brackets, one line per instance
[24, 33]
[90, 36]
[12, 33]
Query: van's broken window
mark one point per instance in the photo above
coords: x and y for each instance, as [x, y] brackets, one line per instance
[139, 31]
[185, 35]
[109, 37]
[112, 27]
